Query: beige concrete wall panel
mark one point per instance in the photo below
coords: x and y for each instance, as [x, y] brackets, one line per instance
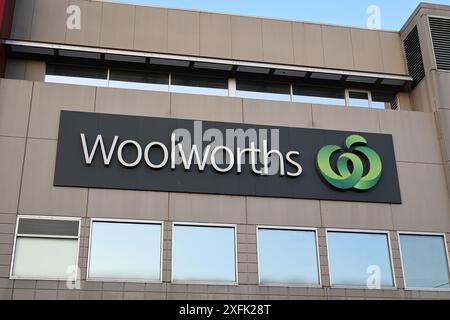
[150, 30]
[38, 195]
[246, 41]
[184, 32]
[11, 160]
[15, 100]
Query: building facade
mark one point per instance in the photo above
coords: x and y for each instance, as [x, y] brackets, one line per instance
[197, 235]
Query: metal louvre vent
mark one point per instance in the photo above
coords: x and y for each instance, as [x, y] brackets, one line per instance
[440, 35]
[394, 104]
[48, 227]
[414, 57]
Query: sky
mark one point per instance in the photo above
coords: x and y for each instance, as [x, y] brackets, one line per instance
[393, 13]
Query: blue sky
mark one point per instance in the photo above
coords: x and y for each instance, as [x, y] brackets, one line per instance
[345, 12]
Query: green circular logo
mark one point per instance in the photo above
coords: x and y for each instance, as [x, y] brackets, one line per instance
[346, 179]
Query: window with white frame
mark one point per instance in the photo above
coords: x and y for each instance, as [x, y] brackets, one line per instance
[288, 256]
[45, 248]
[125, 250]
[204, 253]
[359, 259]
[424, 260]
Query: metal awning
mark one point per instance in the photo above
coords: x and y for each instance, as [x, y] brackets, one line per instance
[255, 68]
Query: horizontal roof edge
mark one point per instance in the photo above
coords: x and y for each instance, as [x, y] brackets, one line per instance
[250, 16]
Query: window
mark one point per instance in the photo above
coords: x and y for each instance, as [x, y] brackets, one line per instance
[82, 75]
[45, 248]
[203, 254]
[263, 90]
[384, 100]
[197, 84]
[359, 99]
[318, 95]
[424, 259]
[139, 80]
[123, 250]
[288, 256]
[358, 259]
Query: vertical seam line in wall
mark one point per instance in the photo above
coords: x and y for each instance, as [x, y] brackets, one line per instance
[242, 109]
[87, 202]
[25, 147]
[246, 215]
[262, 39]
[321, 42]
[231, 37]
[293, 45]
[95, 98]
[167, 28]
[170, 101]
[134, 26]
[198, 33]
[381, 48]
[32, 20]
[351, 46]
[312, 115]
[101, 22]
[320, 215]
[392, 223]
[379, 119]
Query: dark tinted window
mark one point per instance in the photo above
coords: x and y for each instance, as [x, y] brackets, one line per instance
[138, 76]
[77, 71]
[263, 86]
[199, 81]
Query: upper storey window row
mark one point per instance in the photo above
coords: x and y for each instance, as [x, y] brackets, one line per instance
[219, 85]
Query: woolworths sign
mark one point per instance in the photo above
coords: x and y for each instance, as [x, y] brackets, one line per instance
[159, 154]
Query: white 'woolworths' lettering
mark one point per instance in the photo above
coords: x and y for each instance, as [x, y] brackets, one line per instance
[201, 159]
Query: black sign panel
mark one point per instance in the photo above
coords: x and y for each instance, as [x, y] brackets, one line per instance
[72, 169]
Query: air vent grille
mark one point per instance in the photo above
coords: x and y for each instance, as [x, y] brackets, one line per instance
[440, 34]
[414, 57]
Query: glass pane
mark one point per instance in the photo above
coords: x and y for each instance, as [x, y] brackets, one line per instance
[138, 80]
[424, 261]
[81, 75]
[195, 84]
[378, 105]
[125, 251]
[383, 100]
[203, 254]
[287, 256]
[75, 80]
[263, 90]
[319, 95]
[352, 256]
[138, 76]
[45, 257]
[358, 99]
[77, 71]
